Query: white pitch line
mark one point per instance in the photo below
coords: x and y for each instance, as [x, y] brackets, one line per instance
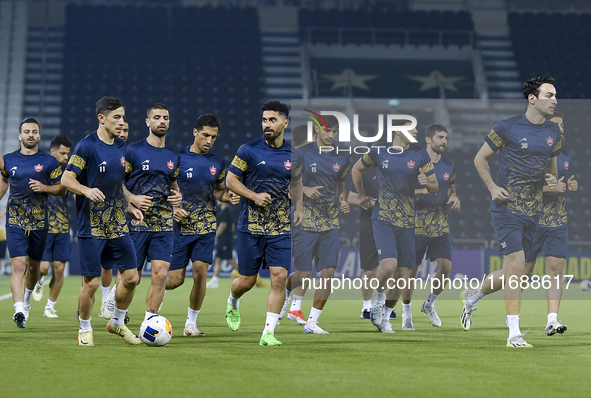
[5, 296]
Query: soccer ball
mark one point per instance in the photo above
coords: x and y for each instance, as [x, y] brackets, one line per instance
[156, 331]
[586, 285]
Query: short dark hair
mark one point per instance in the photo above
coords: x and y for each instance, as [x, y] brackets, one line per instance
[532, 86]
[59, 141]
[331, 121]
[434, 128]
[299, 135]
[107, 104]
[209, 120]
[28, 120]
[557, 114]
[276, 106]
[157, 105]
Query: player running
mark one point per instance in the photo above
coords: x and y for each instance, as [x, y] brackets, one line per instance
[95, 174]
[260, 173]
[201, 181]
[32, 174]
[398, 168]
[324, 175]
[528, 145]
[551, 238]
[57, 246]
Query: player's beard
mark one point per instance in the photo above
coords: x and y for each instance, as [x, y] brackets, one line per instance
[272, 136]
[438, 149]
[159, 133]
[29, 146]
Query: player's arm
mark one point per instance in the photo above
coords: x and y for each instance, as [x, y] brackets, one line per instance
[497, 193]
[56, 189]
[364, 200]
[142, 202]
[221, 193]
[430, 181]
[71, 183]
[552, 175]
[342, 195]
[453, 198]
[235, 185]
[297, 189]
[3, 186]
[175, 198]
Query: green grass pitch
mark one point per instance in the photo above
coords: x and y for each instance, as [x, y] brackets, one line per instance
[354, 360]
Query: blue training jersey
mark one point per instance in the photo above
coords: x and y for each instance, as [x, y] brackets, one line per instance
[151, 171]
[554, 212]
[396, 175]
[100, 165]
[326, 170]
[525, 149]
[431, 209]
[57, 214]
[27, 209]
[198, 176]
[263, 168]
[226, 238]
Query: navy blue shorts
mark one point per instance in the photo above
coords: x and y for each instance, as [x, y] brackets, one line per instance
[267, 251]
[152, 246]
[224, 251]
[23, 243]
[116, 253]
[438, 247]
[553, 241]
[395, 242]
[515, 232]
[57, 247]
[322, 246]
[368, 252]
[192, 247]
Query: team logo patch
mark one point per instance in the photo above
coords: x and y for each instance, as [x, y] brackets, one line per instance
[566, 165]
[336, 167]
[550, 141]
[122, 161]
[287, 165]
[411, 164]
[170, 164]
[446, 176]
[38, 168]
[212, 170]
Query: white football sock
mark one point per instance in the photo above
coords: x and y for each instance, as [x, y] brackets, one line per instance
[366, 304]
[386, 314]
[19, 307]
[118, 318]
[27, 296]
[553, 316]
[41, 280]
[431, 298]
[513, 323]
[192, 317]
[296, 304]
[380, 296]
[271, 322]
[105, 292]
[85, 325]
[406, 310]
[233, 302]
[50, 304]
[314, 315]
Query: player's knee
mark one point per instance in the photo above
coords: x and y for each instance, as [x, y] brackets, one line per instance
[173, 282]
[91, 284]
[555, 265]
[200, 269]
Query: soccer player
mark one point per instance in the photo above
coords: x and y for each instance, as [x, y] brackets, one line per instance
[551, 236]
[225, 237]
[151, 169]
[431, 227]
[201, 181]
[528, 145]
[260, 173]
[57, 246]
[323, 176]
[107, 273]
[95, 174]
[398, 168]
[32, 174]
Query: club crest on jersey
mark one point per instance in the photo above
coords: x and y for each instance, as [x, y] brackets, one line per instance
[122, 161]
[170, 164]
[411, 164]
[336, 167]
[38, 168]
[287, 165]
[446, 176]
[566, 164]
[549, 141]
[212, 170]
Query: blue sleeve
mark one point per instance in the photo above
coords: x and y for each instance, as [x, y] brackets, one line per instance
[498, 136]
